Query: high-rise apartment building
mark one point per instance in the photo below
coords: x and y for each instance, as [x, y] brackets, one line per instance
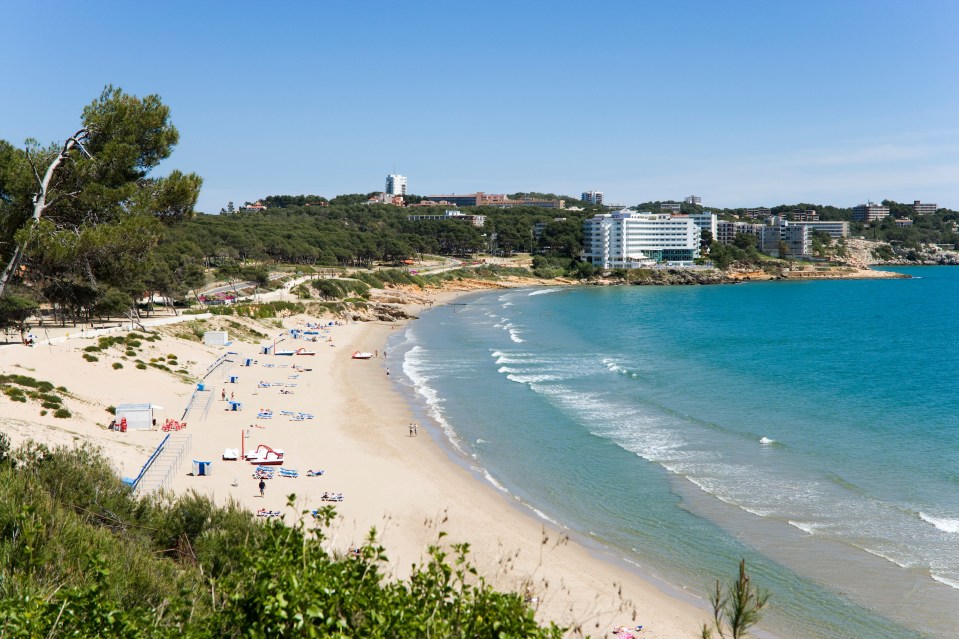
[694, 199]
[870, 212]
[835, 228]
[592, 197]
[395, 184]
[626, 239]
[809, 215]
[923, 208]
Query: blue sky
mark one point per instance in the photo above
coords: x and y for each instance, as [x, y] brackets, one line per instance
[743, 103]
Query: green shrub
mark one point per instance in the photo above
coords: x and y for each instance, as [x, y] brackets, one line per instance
[126, 567]
[131, 353]
[91, 358]
[141, 366]
[43, 413]
[112, 410]
[117, 366]
[92, 349]
[62, 413]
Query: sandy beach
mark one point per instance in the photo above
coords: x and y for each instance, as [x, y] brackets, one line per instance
[408, 488]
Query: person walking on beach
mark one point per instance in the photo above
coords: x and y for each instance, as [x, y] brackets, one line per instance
[416, 429]
[223, 394]
[262, 487]
[411, 430]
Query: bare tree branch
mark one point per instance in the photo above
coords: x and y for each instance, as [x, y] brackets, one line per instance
[40, 203]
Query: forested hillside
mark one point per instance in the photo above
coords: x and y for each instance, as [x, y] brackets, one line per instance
[348, 233]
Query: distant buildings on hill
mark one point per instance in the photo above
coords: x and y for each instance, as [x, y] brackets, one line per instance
[395, 184]
[694, 199]
[670, 207]
[869, 212]
[758, 213]
[475, 220]
[386, 198]
[630, 239]
[498, 200]
[809, 215]
[592, 197]
[923, 208]
[627, 239]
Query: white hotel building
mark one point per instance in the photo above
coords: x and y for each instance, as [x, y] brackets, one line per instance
[626, 239]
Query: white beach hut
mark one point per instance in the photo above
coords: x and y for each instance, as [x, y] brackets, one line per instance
[138, 416]
[216, 338]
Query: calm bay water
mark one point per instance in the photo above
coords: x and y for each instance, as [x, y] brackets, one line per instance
[810, 427]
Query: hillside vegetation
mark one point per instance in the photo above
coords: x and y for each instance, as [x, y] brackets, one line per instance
[81, 557]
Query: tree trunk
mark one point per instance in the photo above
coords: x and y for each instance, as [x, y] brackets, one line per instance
[40, 203]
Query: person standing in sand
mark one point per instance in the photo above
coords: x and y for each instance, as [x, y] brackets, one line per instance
[411, 430]
[262, 487]
[223, 394]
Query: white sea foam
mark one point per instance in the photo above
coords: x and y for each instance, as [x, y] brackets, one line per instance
[545, 291]
[765, 441]
[413, 367]
[492, 480]
[809, 529]
[531, 379]
[943, 580]
[481, 441]
[876, 553]
[500, 487]
[613, 366]
[942, 523]
[507, 369]
[542, 515]
[514, 335]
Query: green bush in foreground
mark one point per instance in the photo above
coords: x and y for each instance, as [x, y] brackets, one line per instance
[81, 557]
[736, 610]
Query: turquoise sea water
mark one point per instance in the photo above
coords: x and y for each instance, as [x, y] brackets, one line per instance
[810, 427]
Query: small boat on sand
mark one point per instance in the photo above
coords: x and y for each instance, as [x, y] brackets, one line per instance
[362, 355]
[265, 456]
[303, 351]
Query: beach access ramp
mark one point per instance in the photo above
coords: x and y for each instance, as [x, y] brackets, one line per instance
[158, 471]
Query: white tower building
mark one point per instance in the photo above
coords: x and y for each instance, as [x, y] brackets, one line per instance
[395, 184]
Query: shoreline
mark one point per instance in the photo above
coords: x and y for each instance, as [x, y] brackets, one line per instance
[407, 488]
[595, 581]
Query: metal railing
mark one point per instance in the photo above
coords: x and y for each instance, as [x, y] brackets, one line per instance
[159, 471]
